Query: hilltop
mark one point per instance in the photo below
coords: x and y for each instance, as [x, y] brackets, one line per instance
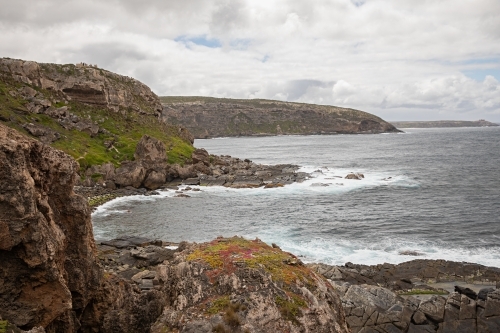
[94, 115]
[208, 117]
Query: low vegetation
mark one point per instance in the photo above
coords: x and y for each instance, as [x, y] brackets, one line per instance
[116, 141]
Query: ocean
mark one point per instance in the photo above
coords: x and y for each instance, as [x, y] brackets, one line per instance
[434, 192]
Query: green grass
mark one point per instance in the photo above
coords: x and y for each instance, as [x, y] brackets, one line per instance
[125, 128]
[423, 292]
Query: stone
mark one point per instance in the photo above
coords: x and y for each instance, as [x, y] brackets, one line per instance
[434, 308]
[462, 326]
[492, 307]
[154, 180]
[150, 150]
[191, 181]
[356, 176]
[467, 292]
[201, 156]
[130, 174]
[483, 293]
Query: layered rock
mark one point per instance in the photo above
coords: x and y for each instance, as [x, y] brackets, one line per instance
[401, 298]
[83, 83]
[49, 269]
[216, 117]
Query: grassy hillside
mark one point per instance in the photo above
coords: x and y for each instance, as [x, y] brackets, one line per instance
[118, 135]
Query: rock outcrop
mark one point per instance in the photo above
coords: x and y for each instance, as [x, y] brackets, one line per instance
[93, 115]
[227, 285]
[403, 298]
[220, 117]
[82, 83]
[53, 279]
[49, 270]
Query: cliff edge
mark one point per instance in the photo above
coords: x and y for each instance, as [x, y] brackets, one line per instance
[207, 117]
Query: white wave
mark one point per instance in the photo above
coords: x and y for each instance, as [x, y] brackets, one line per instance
[339, 251]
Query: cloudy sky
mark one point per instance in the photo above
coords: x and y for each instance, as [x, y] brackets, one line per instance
[398, 59]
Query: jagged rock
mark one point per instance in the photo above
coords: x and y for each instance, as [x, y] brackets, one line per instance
[85, 84]
[45, 134]
[49, 271]
[154, 180]
[466, 291]
[201, 155]
[356, 175]
[130, 174]
[235, 296]
[150, 150]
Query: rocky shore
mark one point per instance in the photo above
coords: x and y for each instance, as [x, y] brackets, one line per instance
[55, 278]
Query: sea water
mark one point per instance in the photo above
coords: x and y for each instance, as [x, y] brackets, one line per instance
[433, 192]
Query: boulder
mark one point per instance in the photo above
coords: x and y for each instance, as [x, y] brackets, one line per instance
[201, 155]
[130, 174]
[154, 180]
[150, 151]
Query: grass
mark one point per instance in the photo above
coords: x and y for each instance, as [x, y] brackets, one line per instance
[423, 292]
[290, 307]
[218, 305]
[124, 128]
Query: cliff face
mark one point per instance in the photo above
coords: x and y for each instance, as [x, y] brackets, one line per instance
[212, 117]
[85, 84]
[49, 271]
[93, 115]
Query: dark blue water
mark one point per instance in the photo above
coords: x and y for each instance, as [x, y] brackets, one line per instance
[442, 199]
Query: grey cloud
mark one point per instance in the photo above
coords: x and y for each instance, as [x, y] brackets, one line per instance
[295, 89]
[229, 15]
[108, 55]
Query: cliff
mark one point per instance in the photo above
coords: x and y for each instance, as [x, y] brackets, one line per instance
[207, 117]
[442, 124]
[93, 115]
[53, 279]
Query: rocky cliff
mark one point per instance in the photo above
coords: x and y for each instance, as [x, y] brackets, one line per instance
[219, 117]
[93, 115]
[52, 278]
[49, 271]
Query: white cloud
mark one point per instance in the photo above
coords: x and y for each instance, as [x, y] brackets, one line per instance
[400, 59]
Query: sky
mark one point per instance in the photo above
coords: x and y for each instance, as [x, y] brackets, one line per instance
[398, 59]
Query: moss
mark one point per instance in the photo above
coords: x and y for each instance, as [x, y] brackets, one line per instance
[423, 292]
[290, 307]
[218, 305]
[3, 326]
[223, 255]
[101, 199]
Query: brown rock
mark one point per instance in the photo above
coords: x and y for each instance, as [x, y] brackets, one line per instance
[150, 150]
[200, 155]
[154, 180]
[46, 275]
[130, 174]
